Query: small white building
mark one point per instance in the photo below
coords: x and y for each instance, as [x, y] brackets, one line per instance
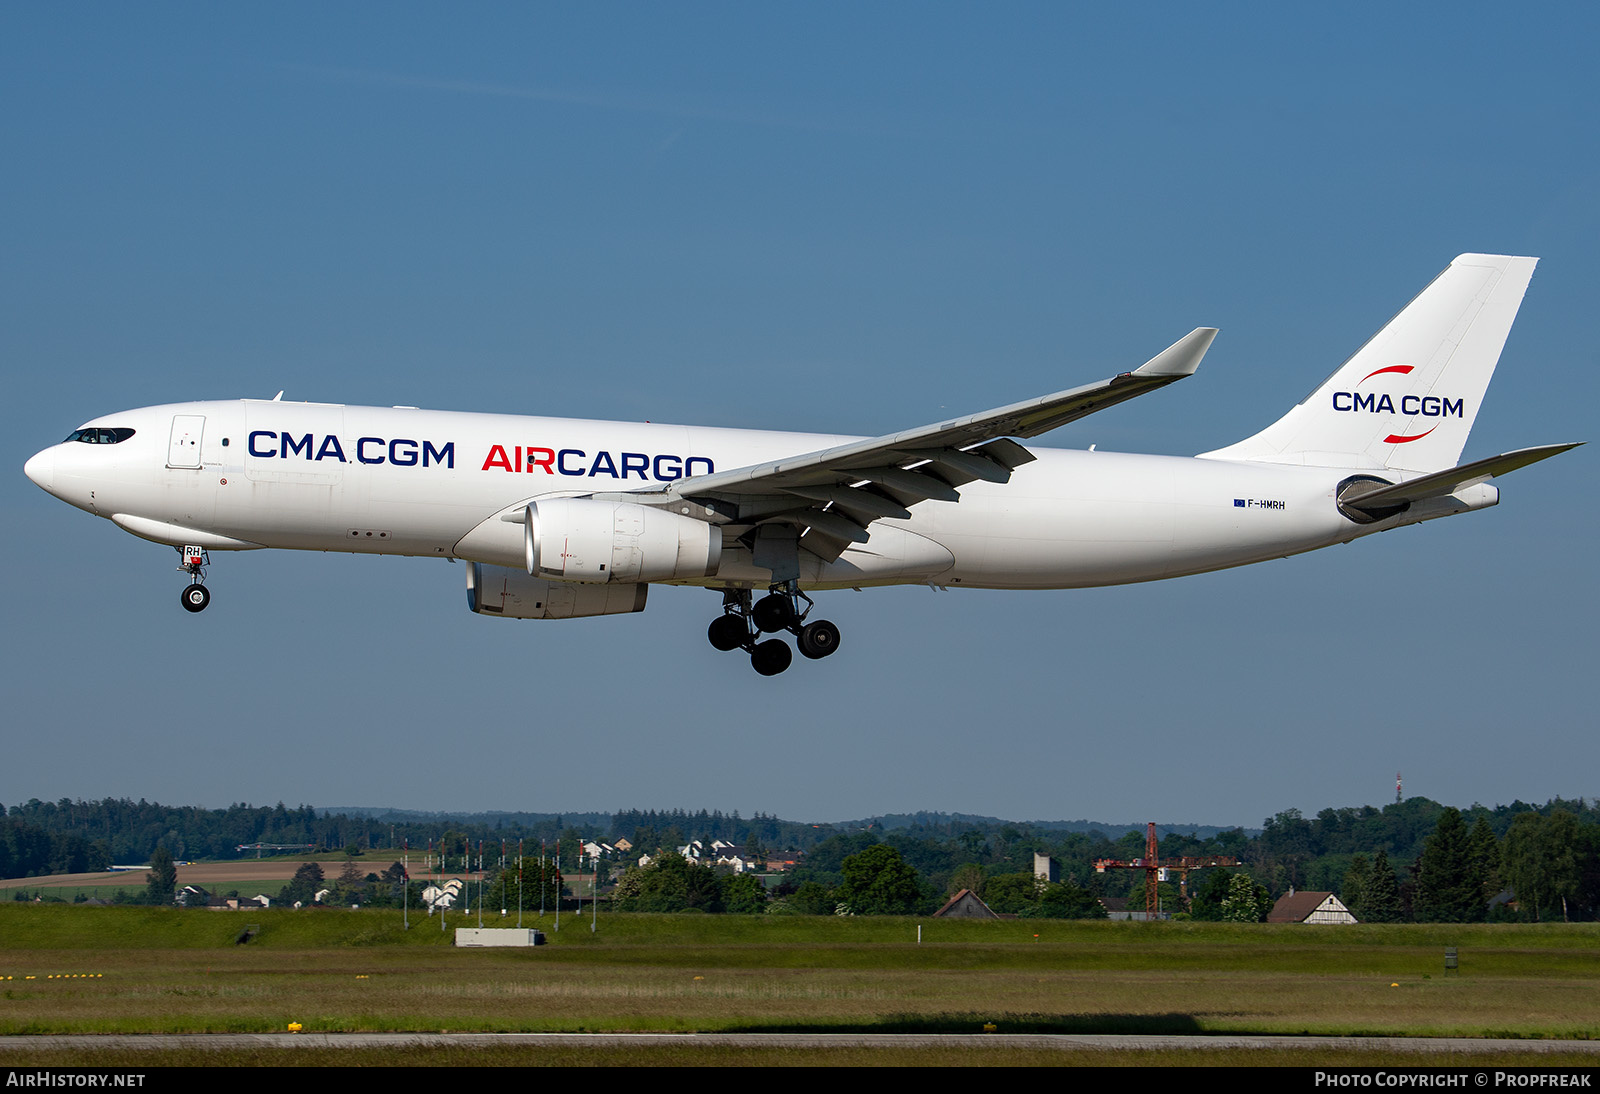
[435, 896]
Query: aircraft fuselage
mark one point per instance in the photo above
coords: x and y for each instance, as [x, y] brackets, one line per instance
[322, 477]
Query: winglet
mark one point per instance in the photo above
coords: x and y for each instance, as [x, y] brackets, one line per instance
[1182, 357]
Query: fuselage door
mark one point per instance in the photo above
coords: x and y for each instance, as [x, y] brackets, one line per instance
[183, 450]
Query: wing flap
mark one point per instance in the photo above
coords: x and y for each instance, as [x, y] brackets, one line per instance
[970, 464]
[918, 483]
[829, 523]
[854, 499]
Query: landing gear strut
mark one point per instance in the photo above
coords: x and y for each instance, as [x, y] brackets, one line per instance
[741, 624]
[195, 596]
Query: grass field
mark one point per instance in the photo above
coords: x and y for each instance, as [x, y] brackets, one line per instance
[147, 970]
[999, 1054]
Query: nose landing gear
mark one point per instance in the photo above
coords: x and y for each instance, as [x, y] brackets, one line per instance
[195, 596]
[741, 624]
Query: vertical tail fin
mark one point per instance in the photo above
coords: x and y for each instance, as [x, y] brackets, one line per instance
[1407, 399]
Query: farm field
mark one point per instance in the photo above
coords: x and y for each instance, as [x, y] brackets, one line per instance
[124, 970]
[249, 876]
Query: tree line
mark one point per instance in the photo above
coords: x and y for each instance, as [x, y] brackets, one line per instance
[70, 837]
[1543, 865]
[1412, 860]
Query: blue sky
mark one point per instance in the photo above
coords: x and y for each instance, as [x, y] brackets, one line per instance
[844, 218]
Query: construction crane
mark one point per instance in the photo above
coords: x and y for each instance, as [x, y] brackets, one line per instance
[1155, 869]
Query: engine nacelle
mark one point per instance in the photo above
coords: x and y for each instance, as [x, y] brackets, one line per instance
[496, 590]
[611, 542]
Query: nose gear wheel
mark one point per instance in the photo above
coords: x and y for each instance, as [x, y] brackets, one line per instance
[196, 596]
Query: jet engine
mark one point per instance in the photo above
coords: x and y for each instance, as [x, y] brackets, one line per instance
[607, 542]
[497, 590]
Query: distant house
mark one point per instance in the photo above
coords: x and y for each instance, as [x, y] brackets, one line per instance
[436, 897]
[735, 860]
[1309, 907]
[966, 905]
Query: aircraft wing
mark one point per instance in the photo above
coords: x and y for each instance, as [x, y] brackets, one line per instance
[833, 494]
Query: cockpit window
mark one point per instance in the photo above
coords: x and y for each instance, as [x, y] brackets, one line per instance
[100, 435]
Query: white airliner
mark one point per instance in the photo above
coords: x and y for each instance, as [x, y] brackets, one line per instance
[560, 518]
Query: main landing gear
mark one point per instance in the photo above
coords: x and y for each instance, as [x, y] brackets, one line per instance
[195, 596]
[741, 624]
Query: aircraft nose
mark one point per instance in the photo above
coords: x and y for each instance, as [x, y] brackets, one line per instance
[42, 469]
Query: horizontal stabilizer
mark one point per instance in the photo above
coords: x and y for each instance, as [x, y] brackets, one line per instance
[1442, 483]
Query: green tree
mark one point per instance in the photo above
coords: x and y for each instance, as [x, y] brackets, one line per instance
[1206, 904]
[877, 881]
[1353, 887]
[1446, 889]
[1064, 900]
[1380, 902]
[389, 888]
[305, 885]
[669, 884]
[161, 883]
[352, 886]
[1483, 857]
[1240, 905]
[967, 876]
[744, 894]
[1560, 849]
[812, 898]
[1286, 845]
[1539, 861]
[1011, 894]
